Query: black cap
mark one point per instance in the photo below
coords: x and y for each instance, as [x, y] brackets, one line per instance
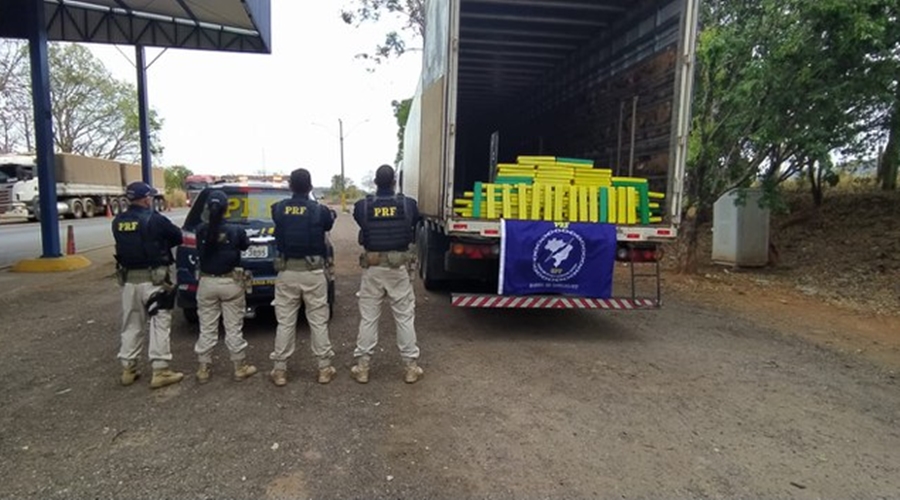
[139, 190]
[384, 177]
[301, 181]
[217, 199]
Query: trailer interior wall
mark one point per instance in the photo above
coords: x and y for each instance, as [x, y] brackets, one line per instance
[561, 78]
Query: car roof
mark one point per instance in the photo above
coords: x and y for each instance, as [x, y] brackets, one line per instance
[237, 186]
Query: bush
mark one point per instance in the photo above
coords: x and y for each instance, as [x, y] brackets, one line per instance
[176, 198]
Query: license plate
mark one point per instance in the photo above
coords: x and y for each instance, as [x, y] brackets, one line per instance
[256, 252]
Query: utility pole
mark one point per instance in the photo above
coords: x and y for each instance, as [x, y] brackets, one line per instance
[343, 182]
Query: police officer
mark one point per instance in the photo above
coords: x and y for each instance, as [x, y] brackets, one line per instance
[144, 242]
[300, 226]
[387, 224]
[221, 289]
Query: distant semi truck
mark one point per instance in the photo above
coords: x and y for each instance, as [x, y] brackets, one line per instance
[85, 186]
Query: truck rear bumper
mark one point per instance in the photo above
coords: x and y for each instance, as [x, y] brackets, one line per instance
[482, 301]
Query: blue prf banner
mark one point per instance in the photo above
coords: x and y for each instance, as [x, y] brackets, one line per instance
[557, 258]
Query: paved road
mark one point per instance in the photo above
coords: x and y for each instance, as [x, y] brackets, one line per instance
[23, 241]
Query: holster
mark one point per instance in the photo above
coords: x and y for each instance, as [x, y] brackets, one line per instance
[162, 300]
[243, 278]
[121, 275]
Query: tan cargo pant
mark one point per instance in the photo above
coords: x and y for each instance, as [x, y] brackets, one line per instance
[310, 287]
[220, 298]
[378, 282]
[134, 318]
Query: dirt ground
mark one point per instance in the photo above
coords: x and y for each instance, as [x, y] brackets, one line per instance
[729, 391]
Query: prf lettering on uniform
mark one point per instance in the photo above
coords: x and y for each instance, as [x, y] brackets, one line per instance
[385, 211]
[127, 227]
[294, 210]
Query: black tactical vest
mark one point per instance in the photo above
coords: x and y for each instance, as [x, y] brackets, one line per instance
[225, 256]
[387, 226]
[136, 244]
[298, 229]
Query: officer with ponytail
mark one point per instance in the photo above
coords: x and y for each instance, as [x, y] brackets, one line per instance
[220, 293]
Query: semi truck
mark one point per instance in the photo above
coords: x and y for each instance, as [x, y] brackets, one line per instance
[85, 186]
[605, 80]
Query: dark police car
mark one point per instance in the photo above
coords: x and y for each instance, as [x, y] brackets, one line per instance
[249, 206]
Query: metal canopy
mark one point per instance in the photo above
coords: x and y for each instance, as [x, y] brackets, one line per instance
[507, 39]
[223, 25]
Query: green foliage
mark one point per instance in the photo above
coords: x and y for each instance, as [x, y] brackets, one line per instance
[401, 113]
[351, 191]
[175, 176]
[94, 114]
[394, 45]
[368, 183]
[784, 85]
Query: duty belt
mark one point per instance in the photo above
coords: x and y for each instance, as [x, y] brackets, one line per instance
[395, 259]
[137, 276]
[314, 263]
[229, 274]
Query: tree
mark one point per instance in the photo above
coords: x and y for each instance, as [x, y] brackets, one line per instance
[411, 11]
[175, 176]
[781, 86]
[368, 182]
[15, 101]
[94, 114]
[401, 113]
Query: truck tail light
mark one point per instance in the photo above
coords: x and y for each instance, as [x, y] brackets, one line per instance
[625, 254]
[474, 251]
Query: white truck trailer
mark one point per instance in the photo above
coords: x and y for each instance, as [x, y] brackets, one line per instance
[85, 186]
[606, 80]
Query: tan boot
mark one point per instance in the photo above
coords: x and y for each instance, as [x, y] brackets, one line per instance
[203, 373]
[243, 370]
[326, 374]
[130, 374]
[164, 377]
[413, 373]
[360, 371]
[279, 377]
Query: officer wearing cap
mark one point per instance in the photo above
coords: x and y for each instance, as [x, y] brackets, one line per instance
[144, 242]
[387, 224]
[300, 226]
[220, 293]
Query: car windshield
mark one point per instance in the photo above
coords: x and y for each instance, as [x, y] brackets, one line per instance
[251, 205]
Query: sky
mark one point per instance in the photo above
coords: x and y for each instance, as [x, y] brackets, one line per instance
[229, 113]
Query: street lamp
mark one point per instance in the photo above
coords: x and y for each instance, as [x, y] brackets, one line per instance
[341, 138]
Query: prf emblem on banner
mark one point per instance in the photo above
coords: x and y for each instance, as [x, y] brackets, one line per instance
[559, 255]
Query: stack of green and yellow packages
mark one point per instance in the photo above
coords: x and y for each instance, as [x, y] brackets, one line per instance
[561, 190]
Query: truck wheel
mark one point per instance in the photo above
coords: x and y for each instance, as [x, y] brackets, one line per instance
[190, 315]
[114, 206]
[89, 208]
[76, 209]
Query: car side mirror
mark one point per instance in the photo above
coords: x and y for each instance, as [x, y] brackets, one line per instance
[333, 214]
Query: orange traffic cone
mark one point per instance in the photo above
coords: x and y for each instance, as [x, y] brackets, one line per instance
[109, 213]
[70, 241]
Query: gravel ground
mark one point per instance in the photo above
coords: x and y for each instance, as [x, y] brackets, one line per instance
[691, 401]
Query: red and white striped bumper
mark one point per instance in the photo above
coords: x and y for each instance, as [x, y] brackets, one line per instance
[549, 302]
